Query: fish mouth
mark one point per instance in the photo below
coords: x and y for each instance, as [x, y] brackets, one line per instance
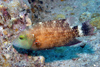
[14, 44]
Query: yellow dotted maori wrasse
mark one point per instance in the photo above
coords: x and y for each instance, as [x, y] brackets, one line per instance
[49, 34]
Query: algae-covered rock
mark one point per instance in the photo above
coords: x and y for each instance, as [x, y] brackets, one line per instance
[72, 13]
[94, 15]
[95, 22]
[6, 65]
[68, 8]
[60, 16]
[85, 16]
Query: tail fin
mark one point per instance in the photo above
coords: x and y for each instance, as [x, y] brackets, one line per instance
[85, 29]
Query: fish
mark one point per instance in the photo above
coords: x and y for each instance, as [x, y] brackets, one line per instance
[50, 34]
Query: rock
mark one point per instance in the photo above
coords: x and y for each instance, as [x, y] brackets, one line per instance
[60, 16]
[5, 32]
[68, 8]
[41, 59]
[95, 22]
[85, 16]
[94, 15]
[7, 56]
[6, 65]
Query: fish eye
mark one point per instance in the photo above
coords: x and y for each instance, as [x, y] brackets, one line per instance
[21, 37]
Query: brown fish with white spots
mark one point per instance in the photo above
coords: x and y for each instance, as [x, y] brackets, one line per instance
[51, 34]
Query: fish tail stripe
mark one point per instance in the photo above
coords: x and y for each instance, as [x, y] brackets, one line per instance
[85, 29]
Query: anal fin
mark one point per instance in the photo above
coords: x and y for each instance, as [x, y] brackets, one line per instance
[73, 42]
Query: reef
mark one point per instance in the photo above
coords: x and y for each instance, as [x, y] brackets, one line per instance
[16, 16]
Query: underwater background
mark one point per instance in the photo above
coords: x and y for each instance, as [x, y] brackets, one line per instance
[84, 54]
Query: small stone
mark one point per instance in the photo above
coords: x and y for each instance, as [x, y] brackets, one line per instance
[29, 57]
[33, 10]
[28, 20]
[54, 14]
[13, 19]
[6, 65]
[68, 8]
[4, 0]
[41, 2]
[1, 28]
[60, 16]
[61, 0]
[94, 15]
[84, 4]
[72, 13]
[5, 32]
[7, 56]
[85, 16]
[3, 56]
[0, 17]
[33, 0]
[16, 30]
[1, 6]
[94, 65]
[42, 59]
[36, 58]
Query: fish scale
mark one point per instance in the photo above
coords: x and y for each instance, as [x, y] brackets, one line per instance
[49, 34]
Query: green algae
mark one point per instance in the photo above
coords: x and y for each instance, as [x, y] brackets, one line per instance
[85, 16]
[60, 16]
[95, 22]
[94, 15]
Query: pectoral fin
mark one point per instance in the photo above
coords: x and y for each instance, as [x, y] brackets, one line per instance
[37, 43]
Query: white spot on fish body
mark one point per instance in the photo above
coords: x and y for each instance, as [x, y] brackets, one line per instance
[40, 23]
[33, 35]
[54, 22]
